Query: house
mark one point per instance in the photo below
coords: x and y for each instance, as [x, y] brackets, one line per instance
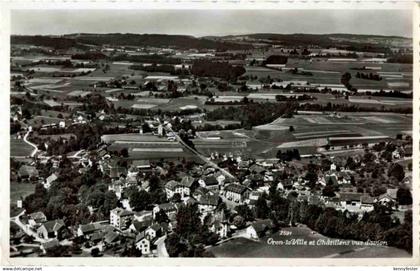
[350, 201]
[256, 180]
[255, 195]
[258, 229]
[236, 192]
[140, 226]
[367, 203]
[169, 208]
[174, 187]
[113, 169]
[188, 183]
[392, 192]
[356, 202]
[208, 203]
[87, 230]
[52, 229]
[120, 218]
[111, 238]
[142, 165]
[49, 245]
[220, 225]
[143, 243]
[49, 180]
[153, 231]
[257, 169]
[26, 172]
[209, 182]
[36, 219]
[386, 200]
[199, 192]
[221, 228]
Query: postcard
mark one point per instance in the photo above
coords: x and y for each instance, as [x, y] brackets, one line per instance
[148, 133]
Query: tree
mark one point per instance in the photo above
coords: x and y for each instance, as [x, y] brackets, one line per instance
[161, 217]
[174, 245]
[124, 152]
[262, 210]
[95, 252]
[188, 221]
[404, 196]
[291, 128]
[397, 171]
[239, 222]
[139, 200]
[328, 191]
[245, 212]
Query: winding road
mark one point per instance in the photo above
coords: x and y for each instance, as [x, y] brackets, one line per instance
[25, 138]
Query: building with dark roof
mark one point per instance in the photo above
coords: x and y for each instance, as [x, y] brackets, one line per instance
[236, 192]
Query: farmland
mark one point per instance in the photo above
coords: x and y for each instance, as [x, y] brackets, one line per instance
[19, 190]
[19, 148]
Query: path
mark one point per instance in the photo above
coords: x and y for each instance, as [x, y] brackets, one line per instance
[25, 138]
[161, 248]
[26, 229]
[76, 155]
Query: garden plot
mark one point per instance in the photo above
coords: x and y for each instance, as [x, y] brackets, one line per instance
[379, 119]
[51, 103]
[272, 127]
[227, 99]
[317, 119]
[19, 148]
[325, 133]
[398, 84]
[113, 90]
[379, 100]
[270, 96]
[163, 150]
[154, 101]
[315, 142]
[143, 106]
[43, 80]
[81, 93]
[94, 78]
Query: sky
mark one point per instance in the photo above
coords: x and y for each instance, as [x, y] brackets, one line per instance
[212, 22]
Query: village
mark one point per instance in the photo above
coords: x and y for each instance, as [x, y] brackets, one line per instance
[148, 151]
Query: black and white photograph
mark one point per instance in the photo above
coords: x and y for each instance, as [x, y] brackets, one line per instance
[211, 133]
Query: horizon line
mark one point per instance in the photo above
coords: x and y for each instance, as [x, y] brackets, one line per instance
[214, 35]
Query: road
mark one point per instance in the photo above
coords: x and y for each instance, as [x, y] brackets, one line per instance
[161, 248]
[25, 138]
[76, 155]
[202, 157]
[26, 229]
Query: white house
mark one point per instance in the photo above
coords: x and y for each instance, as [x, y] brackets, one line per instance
[236, 192]
[120, 218]
[143, 243]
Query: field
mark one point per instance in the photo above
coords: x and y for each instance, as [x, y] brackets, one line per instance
[20, 190]
[19, 148]
[311, 131]
[146, 146]
[329, 72]
[242, 247]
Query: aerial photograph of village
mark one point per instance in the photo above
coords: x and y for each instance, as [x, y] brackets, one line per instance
[260, 135]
